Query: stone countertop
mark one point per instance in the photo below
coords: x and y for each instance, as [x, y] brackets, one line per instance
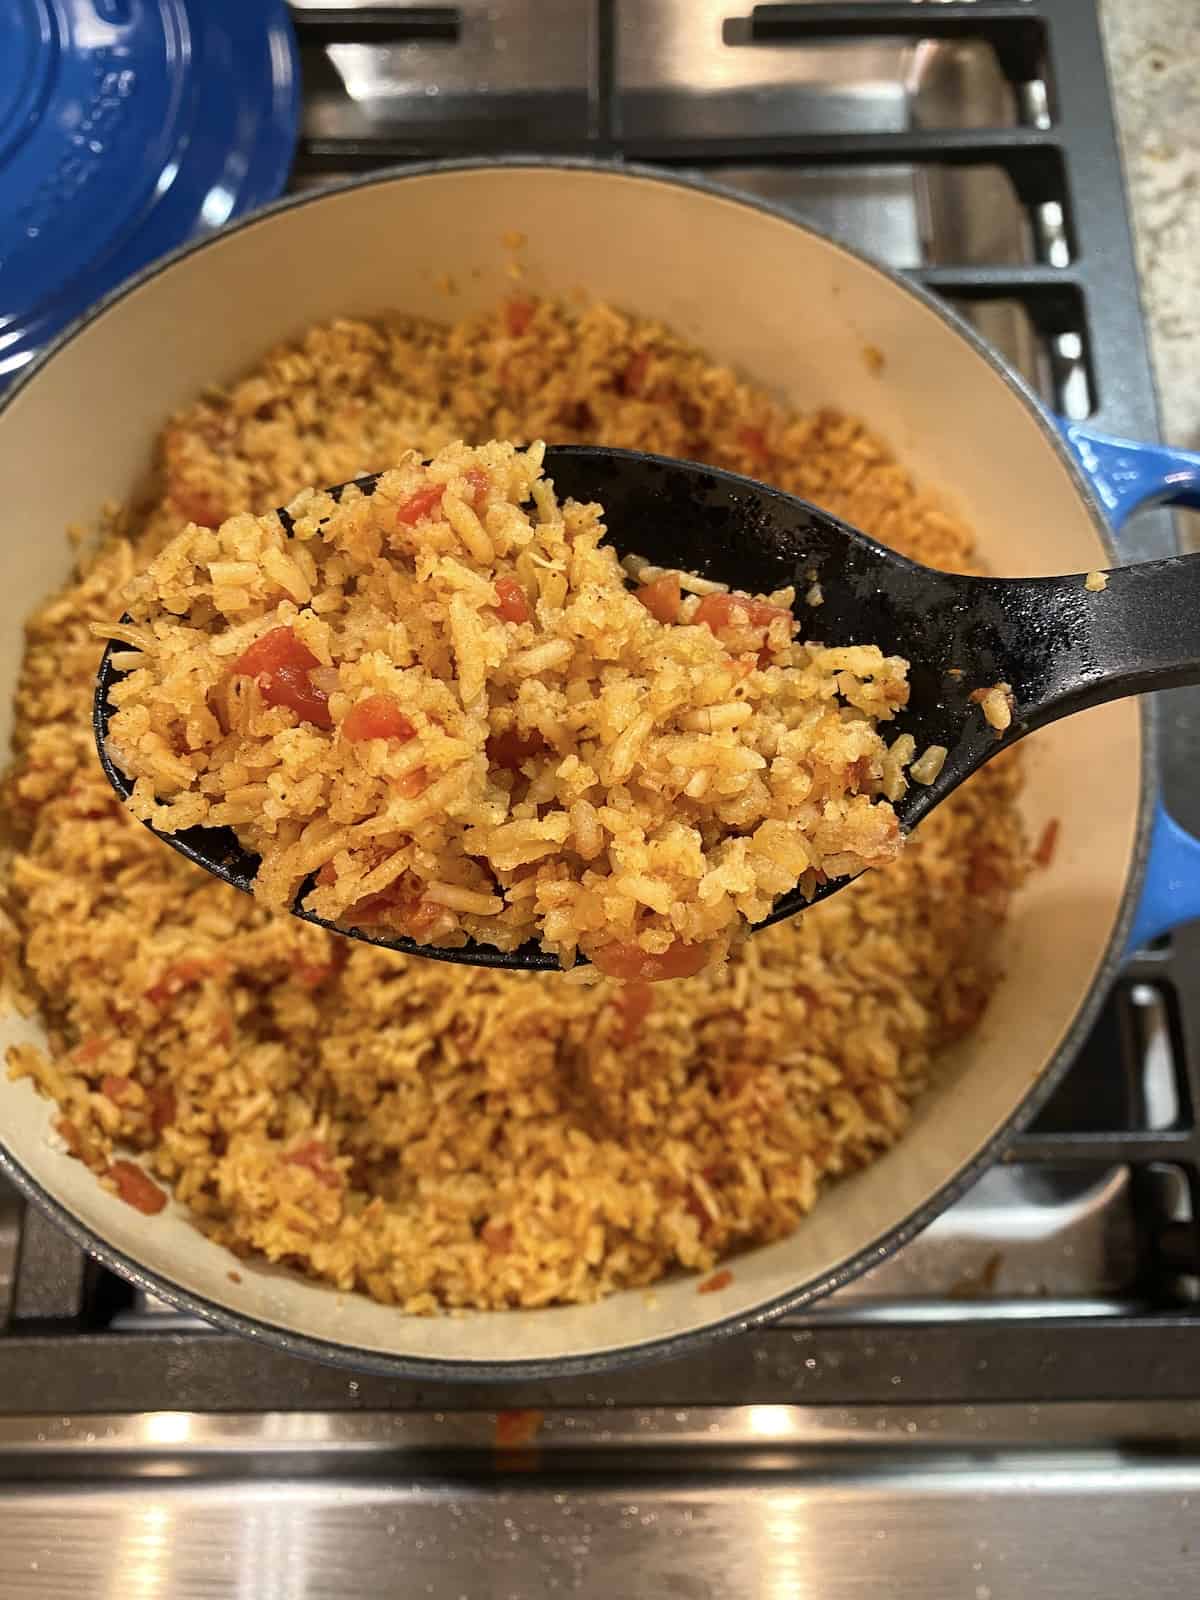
[1153, 51]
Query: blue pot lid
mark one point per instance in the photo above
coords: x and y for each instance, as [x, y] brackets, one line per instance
[126, 126]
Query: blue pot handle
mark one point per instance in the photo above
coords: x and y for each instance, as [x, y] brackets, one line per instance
[1171, 889]
[1125, 476]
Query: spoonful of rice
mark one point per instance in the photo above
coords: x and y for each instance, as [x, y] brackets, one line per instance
[527, 708]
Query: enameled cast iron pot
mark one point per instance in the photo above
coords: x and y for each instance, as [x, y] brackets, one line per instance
[793, 311]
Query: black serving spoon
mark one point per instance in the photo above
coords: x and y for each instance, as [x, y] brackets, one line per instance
[1059, 645]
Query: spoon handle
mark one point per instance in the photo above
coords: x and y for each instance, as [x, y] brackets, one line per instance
[1070, 647]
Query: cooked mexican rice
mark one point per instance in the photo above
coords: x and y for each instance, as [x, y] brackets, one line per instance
[446, 1136]
[438, 698]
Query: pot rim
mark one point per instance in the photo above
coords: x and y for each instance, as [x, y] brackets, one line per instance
[360, 1359]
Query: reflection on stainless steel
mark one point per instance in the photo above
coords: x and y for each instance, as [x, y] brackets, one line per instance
[962, 86]
[907, 216]
[678, 77]
[947, 1529]
[1160, 1088]
[10, 1234]
[1059, 1237]
[972, 216]
[514, 66]
[876, 208]
[689, 68]
[683, 68]
[705, 48]
[51, 1272]
[311, 1443]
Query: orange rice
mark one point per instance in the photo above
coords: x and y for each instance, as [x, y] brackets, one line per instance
[438, 1136]
[443, 700]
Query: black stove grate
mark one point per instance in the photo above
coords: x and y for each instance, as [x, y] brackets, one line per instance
[1018, 125]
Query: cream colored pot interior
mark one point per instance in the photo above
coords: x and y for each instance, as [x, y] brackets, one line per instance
[788, 310]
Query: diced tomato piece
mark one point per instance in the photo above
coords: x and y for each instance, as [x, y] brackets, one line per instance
[162, 1107]
[719, 1280]
[719, 611]
[176, 978]
[115, 1088]
[420, 505]
[327, 875]
[518, 314]
[662, 598]
[517, 1428]
[378, 717]
[136, 1189]
[422, 916]
[85, 1053]
[511, 750]
[278, 648]
[292, 687]
[478, 479]
[281, 662]
[754, 442]
[314, 1157]
[498, 1236]
[634, 377]
[312, 977]
[412, 784]
[715, 611]
[71, 1136]
[513, 606]
[194, 505]
[629, 962]
[397, 908]
[1048, 843]
[633, 1002]
[371, 909]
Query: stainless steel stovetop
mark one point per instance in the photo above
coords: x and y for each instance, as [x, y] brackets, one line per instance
[1006, 1408]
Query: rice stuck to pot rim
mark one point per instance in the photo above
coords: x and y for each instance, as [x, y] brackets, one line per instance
[446, 702]
[438, 1136]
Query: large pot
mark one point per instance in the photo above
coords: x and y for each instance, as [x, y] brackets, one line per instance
[794, 311]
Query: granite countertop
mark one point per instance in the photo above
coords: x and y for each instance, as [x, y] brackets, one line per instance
[1154, 61]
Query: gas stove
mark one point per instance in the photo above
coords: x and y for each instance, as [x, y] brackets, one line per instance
[944, 1425]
